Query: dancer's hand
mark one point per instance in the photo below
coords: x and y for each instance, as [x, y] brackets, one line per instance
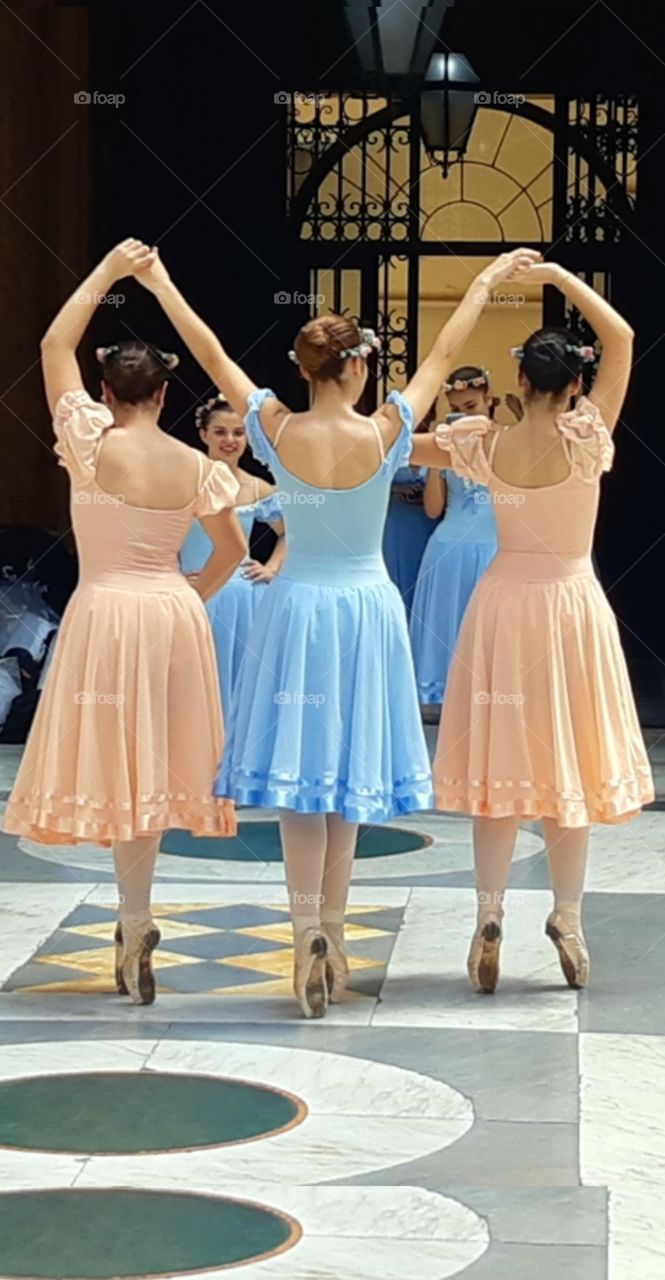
[126, 259]
[257, 572]
[154, 275]
[544, 273]
[510, 266]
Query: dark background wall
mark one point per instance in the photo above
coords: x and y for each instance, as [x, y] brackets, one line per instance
[194, 159]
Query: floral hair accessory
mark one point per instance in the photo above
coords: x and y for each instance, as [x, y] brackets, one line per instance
[292, 356]
[103, 353]
[585, 354]
[202, 410]
[368, 343]
[461, 384]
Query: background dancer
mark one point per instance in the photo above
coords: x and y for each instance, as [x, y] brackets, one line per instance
[232, 609]
[458, 551]
[326, 725]
[127, 734]
[408, 525]
[539, 719]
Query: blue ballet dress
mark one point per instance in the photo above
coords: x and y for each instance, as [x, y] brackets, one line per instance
[325, 717]
[233, 609]
[455, 557]
[406, 533]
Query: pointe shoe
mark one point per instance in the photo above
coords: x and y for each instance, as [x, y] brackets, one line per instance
[483, 961]
[570, 944]
[337, 965]
[121, 985]
[309, 972]
[136, 971]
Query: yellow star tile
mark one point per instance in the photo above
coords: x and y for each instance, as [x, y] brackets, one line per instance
[284, 933]
[279, 987]
[99, 960]
[281, 962]
[168, 929]
[81, 986]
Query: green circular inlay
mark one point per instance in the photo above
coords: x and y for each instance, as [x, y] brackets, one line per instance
[109, 1112]
[260, 841]
[95, 1235]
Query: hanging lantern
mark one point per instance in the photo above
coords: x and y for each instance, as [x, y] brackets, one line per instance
[447, 111]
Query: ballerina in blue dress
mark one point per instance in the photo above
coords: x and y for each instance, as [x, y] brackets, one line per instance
[233, 608]
[408, 527]
[458, 551]
[325, 724]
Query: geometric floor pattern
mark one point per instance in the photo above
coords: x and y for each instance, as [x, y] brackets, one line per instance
[205, 950]
[433, 1133]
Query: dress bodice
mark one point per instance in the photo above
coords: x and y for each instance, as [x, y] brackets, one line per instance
[119, 544]
[469, 510]
[552, 525]
[333, 536]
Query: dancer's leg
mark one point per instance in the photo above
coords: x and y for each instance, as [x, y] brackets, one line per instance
[136, 936]
[493, 846]
[567, 850]
[304, 847]
[340, 852]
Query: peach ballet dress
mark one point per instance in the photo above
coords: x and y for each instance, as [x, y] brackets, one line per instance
[128, 733]
[539, 718]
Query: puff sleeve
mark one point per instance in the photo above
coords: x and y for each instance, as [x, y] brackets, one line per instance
[589, 442]
[79, 424]
[219, 490]
[464, 442]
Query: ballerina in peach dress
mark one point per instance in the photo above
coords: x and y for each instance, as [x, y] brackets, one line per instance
[128, 734]
[539, 719]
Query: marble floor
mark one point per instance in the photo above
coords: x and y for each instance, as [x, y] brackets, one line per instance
[419, 1130]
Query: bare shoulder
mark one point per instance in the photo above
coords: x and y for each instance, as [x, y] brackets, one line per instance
[389, 422]
[272, 414]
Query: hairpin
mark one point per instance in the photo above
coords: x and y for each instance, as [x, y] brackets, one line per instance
[168, 358]
[103, 353]
[461, 384]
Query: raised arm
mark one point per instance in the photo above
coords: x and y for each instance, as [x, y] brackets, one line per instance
[60, 367]
[198, 336]
[427, 381]
[615, 334]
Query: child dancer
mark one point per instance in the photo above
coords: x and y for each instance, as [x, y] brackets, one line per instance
[233, 608]
[458, 552]
[408, 526]
[539, 719]
[127, 734]
[325, 723]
